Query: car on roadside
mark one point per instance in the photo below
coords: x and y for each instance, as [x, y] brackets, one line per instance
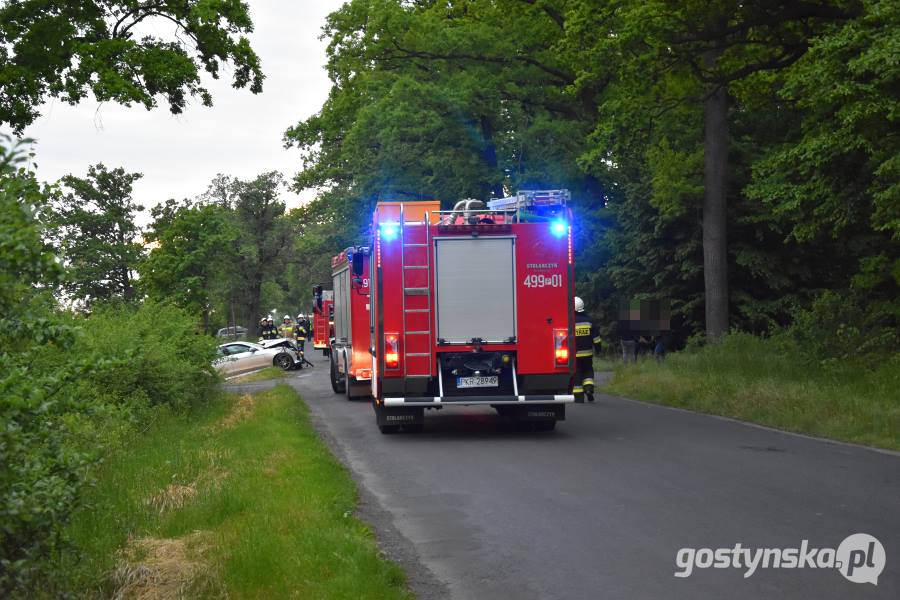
[235, 358]
[233, 333]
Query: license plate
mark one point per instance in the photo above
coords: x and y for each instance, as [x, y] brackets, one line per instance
[473, 382]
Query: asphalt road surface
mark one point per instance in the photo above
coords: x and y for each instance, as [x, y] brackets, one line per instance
[600, 507]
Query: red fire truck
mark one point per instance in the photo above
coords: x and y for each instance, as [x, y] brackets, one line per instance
[323, 318]
[351, 362]
[472, 306]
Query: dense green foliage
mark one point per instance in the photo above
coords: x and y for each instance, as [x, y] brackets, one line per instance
[224, 254]
[611, 100]
[114, 50]
[93, 229]
[71, 386]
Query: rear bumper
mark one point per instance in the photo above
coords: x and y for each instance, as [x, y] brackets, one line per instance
[476, 400]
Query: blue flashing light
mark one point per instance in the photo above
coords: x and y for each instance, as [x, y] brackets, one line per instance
[559, 228]
[389, 231]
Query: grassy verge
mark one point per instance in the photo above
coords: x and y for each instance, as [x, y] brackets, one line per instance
[605, 363]
[267, 373]
[242, 500]
[757, 380]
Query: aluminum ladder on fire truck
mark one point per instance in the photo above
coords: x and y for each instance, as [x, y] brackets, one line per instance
[415, 261]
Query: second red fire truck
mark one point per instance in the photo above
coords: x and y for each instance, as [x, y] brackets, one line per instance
[469, 306]
[351, 361]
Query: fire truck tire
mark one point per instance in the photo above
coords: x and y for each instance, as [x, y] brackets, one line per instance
[335, 383]
[348, 387]
[388, 429]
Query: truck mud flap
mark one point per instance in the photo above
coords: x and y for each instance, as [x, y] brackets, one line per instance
[399, 415]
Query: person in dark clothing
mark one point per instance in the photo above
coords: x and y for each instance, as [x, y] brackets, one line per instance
[269, 331]
[659, 351]
[587, 341]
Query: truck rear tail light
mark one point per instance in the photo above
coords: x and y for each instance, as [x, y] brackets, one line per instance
[391, 351]
[561, 346]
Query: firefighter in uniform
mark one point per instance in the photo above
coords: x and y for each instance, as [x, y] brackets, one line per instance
[307, 327]
[269, 332]
[586, 342]
[300, 330]
[287, 328]
[262, 326]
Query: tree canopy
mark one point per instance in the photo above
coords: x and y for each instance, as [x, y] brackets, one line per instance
[735, 158]
[112, 49]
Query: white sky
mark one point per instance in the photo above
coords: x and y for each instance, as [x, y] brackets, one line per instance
[241, 135]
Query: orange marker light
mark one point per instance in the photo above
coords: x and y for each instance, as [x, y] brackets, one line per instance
[391, 351]
[561, 347]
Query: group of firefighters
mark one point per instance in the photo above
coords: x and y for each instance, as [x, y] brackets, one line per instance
[587, 342]
[300, 331]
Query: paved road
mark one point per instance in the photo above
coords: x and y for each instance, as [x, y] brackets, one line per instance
[600, 507]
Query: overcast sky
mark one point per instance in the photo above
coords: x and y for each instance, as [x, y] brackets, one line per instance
[240, 135]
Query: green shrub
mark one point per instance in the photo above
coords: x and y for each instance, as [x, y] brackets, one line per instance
[160, 356]
[848, 327]
[68, 399]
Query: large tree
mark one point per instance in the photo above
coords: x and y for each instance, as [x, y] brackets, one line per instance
[126, 51]
[658, 56]
[263, 238]
[442, 100]
[191, 257]
[96, 233]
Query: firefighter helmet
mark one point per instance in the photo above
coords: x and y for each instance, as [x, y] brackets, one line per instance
[579, 304]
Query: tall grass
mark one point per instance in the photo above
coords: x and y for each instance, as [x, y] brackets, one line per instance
[769, 381]
[268, 501]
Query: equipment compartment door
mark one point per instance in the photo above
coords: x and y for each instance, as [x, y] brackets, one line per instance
[475, 289]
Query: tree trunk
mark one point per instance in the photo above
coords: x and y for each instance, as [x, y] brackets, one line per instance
[253, 303]
[233, 321]
[128, 290]
[715, 248]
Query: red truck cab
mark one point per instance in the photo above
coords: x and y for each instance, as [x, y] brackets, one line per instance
[351, 361]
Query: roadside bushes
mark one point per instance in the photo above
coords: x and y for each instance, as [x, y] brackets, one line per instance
[157, 356]
[70, 395]
[848, 326]
[72, 387]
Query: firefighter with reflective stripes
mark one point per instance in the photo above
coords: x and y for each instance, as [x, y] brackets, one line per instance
[287, 329]
[269, 332]
[587, 341]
